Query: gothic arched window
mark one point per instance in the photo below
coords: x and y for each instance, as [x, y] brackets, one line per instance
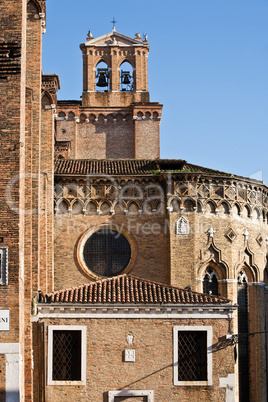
[242, 277]
[210, 281]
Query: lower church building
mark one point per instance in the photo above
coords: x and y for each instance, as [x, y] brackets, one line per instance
[123, 276]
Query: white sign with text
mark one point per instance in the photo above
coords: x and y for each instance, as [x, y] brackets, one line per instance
[4, 320]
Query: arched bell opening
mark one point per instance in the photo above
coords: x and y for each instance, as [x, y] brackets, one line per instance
[102, 81]
[126, 77]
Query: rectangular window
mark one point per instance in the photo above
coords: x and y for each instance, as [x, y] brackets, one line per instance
[66, 355]
[3, 265]
[192, 355]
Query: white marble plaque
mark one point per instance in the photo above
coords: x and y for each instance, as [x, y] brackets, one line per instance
[129, 355]
[182, 226]
[4, 320]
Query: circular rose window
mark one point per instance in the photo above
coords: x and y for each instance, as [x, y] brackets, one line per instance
[107, 252]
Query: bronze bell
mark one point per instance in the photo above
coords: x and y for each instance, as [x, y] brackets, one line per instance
[125, 78]
[102, 81]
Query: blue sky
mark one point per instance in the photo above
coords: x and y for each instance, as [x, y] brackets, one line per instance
[208, 66]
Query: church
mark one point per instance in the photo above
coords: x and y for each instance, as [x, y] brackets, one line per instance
[123, 276]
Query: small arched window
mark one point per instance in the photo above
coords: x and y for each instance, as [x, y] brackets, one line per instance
[210, 282]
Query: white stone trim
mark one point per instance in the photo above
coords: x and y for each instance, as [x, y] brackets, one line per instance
[13, 359]
[228, 383]
[131, 392]
[208, 329]
[133, 311]
[9, 348]
[12, 377]
[83, 330]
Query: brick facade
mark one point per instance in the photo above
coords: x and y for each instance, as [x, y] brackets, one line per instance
[153, 368]
[180, 221]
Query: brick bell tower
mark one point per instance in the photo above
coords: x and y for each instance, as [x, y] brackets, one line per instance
[116, 119]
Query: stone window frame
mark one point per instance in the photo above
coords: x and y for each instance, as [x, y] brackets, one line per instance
[193, 328]
[83, 239]
[51, 329]
[3, 265]
[129, 393]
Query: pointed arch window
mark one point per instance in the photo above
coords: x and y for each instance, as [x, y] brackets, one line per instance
[210, 282]
[242, 277]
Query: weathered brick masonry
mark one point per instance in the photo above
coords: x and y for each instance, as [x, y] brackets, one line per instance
[195, 239]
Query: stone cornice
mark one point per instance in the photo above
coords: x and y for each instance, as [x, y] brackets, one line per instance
[78, 311]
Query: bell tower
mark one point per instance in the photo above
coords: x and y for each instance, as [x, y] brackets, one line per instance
[116, 119]
[114, 50]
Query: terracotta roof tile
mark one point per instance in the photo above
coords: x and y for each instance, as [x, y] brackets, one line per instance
[128, 167]
[113, 167]
[130, 289]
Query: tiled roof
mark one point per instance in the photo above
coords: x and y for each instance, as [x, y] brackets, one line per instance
[130, 289]
[128, 167]
[113, 167]
[201, 169]
[69, 102]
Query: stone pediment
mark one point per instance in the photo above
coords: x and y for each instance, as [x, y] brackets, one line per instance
[114, 39]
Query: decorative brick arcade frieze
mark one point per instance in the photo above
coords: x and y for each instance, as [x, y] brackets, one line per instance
[104, 195]
[232, 191]
[158, 192]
